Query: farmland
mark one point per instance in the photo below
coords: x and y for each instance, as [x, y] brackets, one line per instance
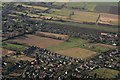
[62, 12]
[13, 46]
[77, 26]
[77, 53]
[34, 40]
[60, 41]
[108, 18]
[84, 5]
[52, 35]
[101, 6]
[105, 73]
[36, 7]
[66, 45]
[80, 16]
[77, 44]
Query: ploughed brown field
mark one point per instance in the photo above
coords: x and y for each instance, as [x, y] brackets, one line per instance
[7, 52]
[52, 35]
[108, 18]
[38, 41]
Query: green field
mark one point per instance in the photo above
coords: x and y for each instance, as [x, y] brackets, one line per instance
[81, 16]
[13, 46]
[62, 12]
[91, 17]
[73, 48]
[88, 6]
[78, 16]
[74, 42]
[77, 43]
[78, 48]
[102, 8]
[58, 3]
[91, 6]
[105, 73]
[96, 48]
[77, 52]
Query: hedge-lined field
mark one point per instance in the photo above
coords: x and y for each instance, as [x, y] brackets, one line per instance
[13, 46]
[78, 48]
[92, 6]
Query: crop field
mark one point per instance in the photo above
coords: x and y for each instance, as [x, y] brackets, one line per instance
[65, 40]
[92, 6]
[108, 18]
[36, 7]
[52, 35]
[78, 48]
[62, 12]
[81, 16]
[13, 46]
[73, 42]
[105, 73]
[58, 3]
[114, 10]
[54, 16]
[88, 6]
[102, 8]
[72, 48]
[79, 43]
[77, 53]
[37, 41]
[18, 13]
